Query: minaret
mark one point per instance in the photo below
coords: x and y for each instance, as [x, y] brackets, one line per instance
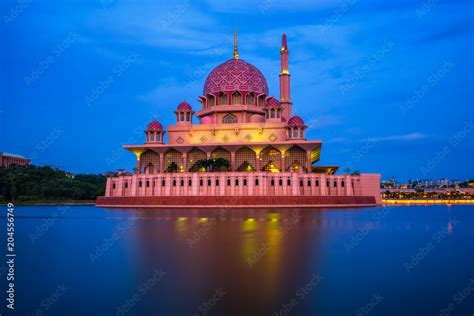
[285, 80]
[236, 53]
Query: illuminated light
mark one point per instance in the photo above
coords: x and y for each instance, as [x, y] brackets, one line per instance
[285, 72]
[250, 219]
[181, 219]
[203, 219]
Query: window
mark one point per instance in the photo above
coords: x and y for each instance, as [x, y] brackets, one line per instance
[126, 185]
[201, 183]
[288, 182]
[209, 182]
[236, 98]
[211, 100]
[190, 182]
[229, 119]
[222, 98]
[256, 181]
[343, 184]
[335, 183]
[113, 186]
[174, 182]
[327, 183]
[181, 116]
[273, 182]
[309, 182]
[163, 182]
[280, 182]
[250, 99]
[245, 181]
[301, 182]
[236, 181]
[272, 113]
[228, 181]
[188, 116]
[147, 183]
[217, 182]
[295, 132]
[140, 183]
[152, 137]
[182, 182]
[317, 182]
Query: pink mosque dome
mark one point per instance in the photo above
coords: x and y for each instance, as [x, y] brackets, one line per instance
[235, 75]
[272, 102]
[184, 106]
[296, 121]
[155, 126]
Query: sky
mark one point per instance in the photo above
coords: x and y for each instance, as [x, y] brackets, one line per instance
[387, 86]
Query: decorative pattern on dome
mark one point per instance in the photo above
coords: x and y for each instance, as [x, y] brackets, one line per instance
[272, 102]
[155, 126]
[184, 106]
[296, 121]
[235, 74]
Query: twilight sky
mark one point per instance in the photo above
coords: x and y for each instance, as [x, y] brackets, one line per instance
[386, 85]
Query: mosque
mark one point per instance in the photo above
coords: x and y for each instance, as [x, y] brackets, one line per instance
[248, 150]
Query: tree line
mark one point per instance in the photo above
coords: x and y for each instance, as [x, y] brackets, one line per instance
[30, 183]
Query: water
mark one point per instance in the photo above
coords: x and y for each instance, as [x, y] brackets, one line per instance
[82, 260]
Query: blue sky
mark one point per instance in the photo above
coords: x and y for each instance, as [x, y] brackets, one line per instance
[386, 85]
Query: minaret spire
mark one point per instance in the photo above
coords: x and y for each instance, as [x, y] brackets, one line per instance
[236, 53]
[285, 79]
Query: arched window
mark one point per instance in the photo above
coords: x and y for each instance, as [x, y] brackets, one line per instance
[273, 113]
[181, 116]
[152, 137]
[158, 137]
[222, 98]
[188, 116]
[236, 98]
[295, 132]
[250, 99]
[229, 119]
[278, 113]
[211, 100]
[261, 100]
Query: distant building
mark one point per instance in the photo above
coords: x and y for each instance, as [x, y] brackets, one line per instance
[7, 159]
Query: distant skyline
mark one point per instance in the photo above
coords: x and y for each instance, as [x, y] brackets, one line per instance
[387, 86]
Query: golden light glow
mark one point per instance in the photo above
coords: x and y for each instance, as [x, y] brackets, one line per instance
[203, 219]
[285, 72]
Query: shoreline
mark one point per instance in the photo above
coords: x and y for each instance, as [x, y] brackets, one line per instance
[46, 203]
[427, 201]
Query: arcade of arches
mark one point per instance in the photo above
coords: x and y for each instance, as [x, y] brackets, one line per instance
[243, 158]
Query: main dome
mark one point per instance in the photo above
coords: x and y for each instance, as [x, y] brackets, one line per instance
[235, 75]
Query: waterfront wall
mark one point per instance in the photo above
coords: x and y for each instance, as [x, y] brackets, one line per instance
[238, 188]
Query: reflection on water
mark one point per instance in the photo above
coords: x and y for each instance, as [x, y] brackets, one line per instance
[244, 262]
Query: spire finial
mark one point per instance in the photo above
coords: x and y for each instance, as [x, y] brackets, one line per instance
[236, 53]
[284, 46]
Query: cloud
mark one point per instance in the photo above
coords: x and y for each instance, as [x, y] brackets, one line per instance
[402, 138]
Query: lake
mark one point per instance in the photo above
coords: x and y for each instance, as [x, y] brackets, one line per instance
[397, 260]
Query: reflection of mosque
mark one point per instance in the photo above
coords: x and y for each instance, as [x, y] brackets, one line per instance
[259, 256]
[247, 143]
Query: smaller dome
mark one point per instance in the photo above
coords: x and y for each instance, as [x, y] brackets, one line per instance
[184, 106]
[155, 126]
[296, 121]
[272, 102]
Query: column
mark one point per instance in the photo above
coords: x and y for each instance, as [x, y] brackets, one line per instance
[283, 162]
[308, 162]
[185, 162]
[232, 161]
[138, 164]
[162, 162]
